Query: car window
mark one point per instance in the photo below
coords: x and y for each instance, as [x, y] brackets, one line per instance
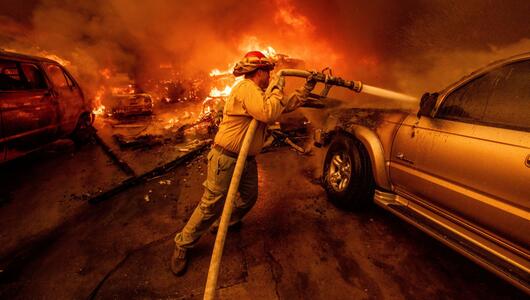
[34, 76]
[56, 76]
[10, 77]
[467, 103]
[69, 79]
[509, 104]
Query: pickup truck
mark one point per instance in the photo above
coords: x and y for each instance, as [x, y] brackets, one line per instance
[458, 168]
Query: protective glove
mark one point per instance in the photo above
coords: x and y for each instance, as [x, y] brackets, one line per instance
[276, 82]
[309, 85]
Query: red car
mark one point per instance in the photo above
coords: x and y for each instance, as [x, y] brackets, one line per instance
[40, 101]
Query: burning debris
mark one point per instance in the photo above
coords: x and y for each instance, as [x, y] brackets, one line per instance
[293, 132]
[179, 113]
[280, 137]
[195, 144]
[119, 97]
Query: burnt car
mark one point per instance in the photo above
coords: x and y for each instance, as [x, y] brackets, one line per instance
[40, 101]
[126, 98]
[458, 169]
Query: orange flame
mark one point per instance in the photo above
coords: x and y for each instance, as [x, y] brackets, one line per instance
[105, 73]
[99, 109]
[250, 45]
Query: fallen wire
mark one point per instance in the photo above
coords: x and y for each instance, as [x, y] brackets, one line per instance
[135, 180]
[121, 164]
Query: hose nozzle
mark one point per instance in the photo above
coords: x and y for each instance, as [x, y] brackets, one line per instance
[327, 79]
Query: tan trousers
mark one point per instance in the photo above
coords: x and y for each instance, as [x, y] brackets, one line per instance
[220, 169]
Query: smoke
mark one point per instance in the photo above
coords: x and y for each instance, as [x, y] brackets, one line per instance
[443, 67]
[411, 45]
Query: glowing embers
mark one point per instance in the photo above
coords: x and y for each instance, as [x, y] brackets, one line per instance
[99, 110]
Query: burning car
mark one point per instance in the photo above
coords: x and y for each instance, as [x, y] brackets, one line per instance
[126, 98]
[40, 101]
[284, 61]
[458, 170]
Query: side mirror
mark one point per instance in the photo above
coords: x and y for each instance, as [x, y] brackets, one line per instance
[427, 103]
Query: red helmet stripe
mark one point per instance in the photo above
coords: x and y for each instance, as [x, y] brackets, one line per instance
[256, 54]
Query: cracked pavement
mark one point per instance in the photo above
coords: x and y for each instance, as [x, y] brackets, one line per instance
[294, 244]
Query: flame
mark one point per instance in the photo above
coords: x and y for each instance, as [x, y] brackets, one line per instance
[249, 45]
[105, 73]
[42, 53]
[221, 93]
[61, 61]
[252, 43]
[171, 122]
[99, 109]
[269, 52]
[217, 72]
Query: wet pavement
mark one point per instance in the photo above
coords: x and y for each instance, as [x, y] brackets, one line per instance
[294, 244]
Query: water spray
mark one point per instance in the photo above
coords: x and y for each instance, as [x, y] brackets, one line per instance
[372, 90]
[329, 81]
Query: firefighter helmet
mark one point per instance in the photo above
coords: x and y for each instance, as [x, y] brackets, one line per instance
[253, 60]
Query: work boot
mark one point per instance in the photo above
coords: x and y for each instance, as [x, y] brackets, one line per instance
[179, 261]
[232, 227]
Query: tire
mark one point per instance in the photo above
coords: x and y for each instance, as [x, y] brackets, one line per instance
[347, 177]
[83, 131]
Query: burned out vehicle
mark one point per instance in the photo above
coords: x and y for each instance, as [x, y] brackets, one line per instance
[284, 61]
[132, 104]
[458, 169]
[40, 101]
[125, 98]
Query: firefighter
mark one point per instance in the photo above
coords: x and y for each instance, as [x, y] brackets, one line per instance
[251, 98]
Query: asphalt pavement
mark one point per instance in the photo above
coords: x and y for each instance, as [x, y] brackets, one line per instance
[294, 244]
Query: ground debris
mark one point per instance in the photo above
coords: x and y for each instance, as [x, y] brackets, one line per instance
[128, 125]
[280, 138]
[141, 141]
[82, 197]
[193, 145]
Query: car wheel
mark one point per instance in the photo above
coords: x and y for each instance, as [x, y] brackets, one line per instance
[347, 177]
[84, 130]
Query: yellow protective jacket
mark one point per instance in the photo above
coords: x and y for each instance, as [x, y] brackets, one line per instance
[246, 102]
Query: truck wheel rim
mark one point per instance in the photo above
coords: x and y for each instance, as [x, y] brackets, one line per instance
[339, 172]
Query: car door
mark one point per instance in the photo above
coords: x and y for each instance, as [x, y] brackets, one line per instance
[471, 160]
[68, 97]
[28, 113]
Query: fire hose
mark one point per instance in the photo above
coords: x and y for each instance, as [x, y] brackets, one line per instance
[215, 262]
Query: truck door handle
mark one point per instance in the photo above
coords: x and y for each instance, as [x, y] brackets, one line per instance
[402, 157]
